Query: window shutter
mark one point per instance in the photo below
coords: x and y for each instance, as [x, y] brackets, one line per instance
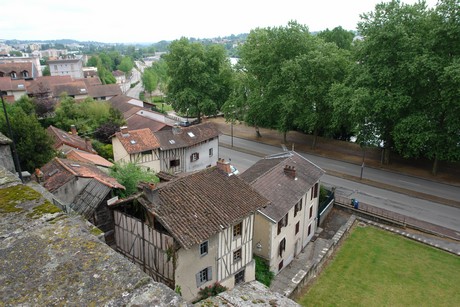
[209, 273]
[197, 278]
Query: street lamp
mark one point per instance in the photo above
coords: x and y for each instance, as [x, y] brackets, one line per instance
[231, 123]
[15, 154]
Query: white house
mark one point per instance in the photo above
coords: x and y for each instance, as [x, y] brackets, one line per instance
[283, 228]
[182, 149]
[68, 67]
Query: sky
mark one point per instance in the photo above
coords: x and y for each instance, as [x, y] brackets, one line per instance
[150, 21]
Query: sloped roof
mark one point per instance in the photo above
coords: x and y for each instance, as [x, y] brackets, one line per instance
[180, 137]
[105, 90]
[92, 81]
[47, 81]
[137, 121]
[84, 156]
[195, 207]
[16, 67]
[6, 84]
[59, 171]
[86, 202]
[4, 140]
[61, 137]
[268, 177]
[138, 140]
[74, 88]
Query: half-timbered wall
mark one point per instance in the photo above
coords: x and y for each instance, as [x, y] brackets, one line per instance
[228, 244]
[169, 155]
[148, 159]
[145, 246]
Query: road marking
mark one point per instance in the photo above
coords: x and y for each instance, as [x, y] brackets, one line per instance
[410, 183]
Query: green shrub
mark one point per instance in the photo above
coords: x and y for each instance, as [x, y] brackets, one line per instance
[263, 273]
[209, 291]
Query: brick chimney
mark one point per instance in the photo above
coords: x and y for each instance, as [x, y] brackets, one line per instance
[124, 131]
[73, 130]
[224, 166]
[289, 171]
[88, 145]
[151, 192]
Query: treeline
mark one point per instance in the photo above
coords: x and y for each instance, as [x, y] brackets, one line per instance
[395, 85]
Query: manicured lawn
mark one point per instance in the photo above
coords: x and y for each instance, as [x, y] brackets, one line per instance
[378, 268]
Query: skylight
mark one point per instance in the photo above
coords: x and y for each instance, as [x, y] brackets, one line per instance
[190, 134]
[172, 142]
[132, 142]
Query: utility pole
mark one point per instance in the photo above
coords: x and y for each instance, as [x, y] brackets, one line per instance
[15, 154]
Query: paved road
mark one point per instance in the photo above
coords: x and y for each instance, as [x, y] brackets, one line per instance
[428, 211]
[403, 181]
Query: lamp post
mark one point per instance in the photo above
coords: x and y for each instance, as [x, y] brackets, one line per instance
[15, 154]
[231, 123]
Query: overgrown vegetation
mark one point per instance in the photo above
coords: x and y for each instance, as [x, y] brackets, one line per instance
[378, 268]
[212, 290]
[263, 273]
[130, 174]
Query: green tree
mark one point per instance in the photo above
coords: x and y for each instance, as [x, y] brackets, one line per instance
[149, 80]
[126, 65]
[46, 71]
[199, 77]
[391, 61]
[130, 174]
[33, 145]
[341, 37]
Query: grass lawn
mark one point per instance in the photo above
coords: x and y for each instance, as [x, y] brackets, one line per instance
[379, 268]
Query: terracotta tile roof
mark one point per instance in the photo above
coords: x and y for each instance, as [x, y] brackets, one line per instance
[195, 207]
[138, 140]
[16, 67]
[118, 73]
[105, 90]
[92, 81]
[47, 81]
[74, 88]
[61, 137]
[269, 178]
[179, 137]
[137, 121]
[84, 156]
[5, 84]
[59, 171]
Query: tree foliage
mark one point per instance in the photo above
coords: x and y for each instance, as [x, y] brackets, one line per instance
[130, 174]
[339, 36]
[199, 77]
[33, 145]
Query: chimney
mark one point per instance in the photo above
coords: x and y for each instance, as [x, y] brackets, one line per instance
[124, 131]
[88, 145]
[176, 129]
[289, 171]
[224, 166]
[73, 130]
[151, 192]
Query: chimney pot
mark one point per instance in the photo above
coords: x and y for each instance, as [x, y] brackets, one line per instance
[124, 131]
[73, 129]
[290, 171]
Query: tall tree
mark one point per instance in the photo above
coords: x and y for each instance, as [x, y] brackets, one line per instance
[339, 36]
[126, 65]
[199, 77]
[33, 145]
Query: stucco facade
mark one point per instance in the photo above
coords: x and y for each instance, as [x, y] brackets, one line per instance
[66, 67]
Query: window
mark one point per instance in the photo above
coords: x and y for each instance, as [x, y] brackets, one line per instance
[13, 75]
[311, 212]
[309, 230]
[203, 276]
[204, 248]
[282, 247]
[147, 152]
[55, 67]
[194, 157]
[174, 163]
[237, 230]
[280, 265]
[297, 227]
[237, 255]
[25, 74]
[283, 222]
[239, 277]
[316, 191]
[210, 152]
[298, 207]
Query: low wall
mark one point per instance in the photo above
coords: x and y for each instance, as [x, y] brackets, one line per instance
[326, 253]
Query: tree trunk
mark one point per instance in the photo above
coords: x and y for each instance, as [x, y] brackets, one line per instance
[434, 169]
[386, 155]
[258, 132]
[285, 137]
[315, 137]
